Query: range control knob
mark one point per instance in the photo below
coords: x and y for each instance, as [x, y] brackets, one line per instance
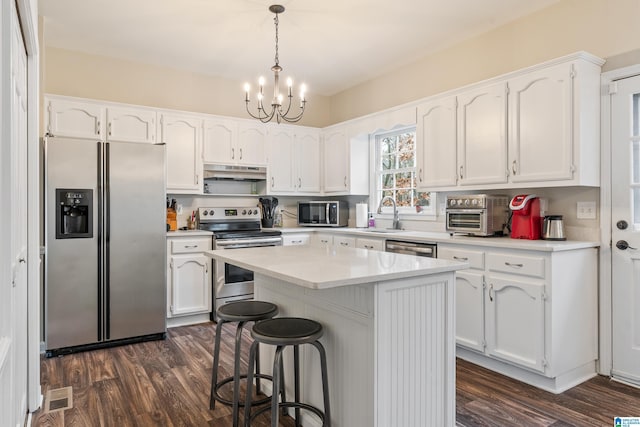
[211, 212]
[205, 213]
[255, 211]
[474, 202]
[466, 202]
[244, 212]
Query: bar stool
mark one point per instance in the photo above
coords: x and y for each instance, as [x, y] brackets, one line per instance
[241, 312]
[282, 332]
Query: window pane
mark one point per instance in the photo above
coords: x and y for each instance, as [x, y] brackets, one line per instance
[388, 162]
[636, 115]
[635, 172]
[405, 142]
[423, 198]
[385, 194]
[404, 197]
[387, 145]
[406, 160]
[636, 207]
[403, 180]
[387, 181]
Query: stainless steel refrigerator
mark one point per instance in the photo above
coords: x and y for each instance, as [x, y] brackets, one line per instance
[105, 243]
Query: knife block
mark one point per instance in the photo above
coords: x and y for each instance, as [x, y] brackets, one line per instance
[172, 219]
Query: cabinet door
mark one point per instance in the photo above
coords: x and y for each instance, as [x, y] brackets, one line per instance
[371, 244]
[295, 239]
[190, 284]
[75, 119]
[321, 239]
[307, 162]
[182, 136]
[344, 241]
[251, 144]
[280, 164]
[482, 135]
[515, 321]
[436, 143]
[336, 156]
[541, 122]
[470, 310]
[131, 125]
[219, 141]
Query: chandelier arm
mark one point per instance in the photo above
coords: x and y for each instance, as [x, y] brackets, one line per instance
[298, 117]
[264, 119]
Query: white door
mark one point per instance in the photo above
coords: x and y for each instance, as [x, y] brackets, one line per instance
[251, 141]
[307, 157]
[335, 162]
[280, 161]
[184, 159]
[436, 139]
[625, 206]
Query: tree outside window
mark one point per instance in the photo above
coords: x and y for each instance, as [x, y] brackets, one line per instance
[396, 172]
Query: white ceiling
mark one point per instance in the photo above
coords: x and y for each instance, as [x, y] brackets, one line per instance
[330, 45]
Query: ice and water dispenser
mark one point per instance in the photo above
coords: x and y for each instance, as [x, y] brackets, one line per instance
[74, 213]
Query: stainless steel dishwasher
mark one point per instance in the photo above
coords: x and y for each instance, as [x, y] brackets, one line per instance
[428, 250]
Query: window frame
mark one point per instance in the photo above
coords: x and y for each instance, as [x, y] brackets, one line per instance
[428, 212]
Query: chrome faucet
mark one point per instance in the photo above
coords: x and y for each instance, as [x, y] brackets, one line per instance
[396, 220]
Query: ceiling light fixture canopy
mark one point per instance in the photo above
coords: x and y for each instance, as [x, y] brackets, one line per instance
[277, 110]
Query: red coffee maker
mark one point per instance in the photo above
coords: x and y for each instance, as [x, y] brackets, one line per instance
[525, 220]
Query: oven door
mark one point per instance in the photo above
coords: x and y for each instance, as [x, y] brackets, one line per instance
[471, 221]
[233, 283]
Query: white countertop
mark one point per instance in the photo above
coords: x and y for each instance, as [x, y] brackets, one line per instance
[328, 267]
[435, 237]
[189, 233]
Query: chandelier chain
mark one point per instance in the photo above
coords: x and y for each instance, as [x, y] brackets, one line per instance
[275, 19]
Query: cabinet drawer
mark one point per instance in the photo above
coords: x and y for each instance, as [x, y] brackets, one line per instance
[516, 264]
[474, 258]
[189, 246]
[295, 239]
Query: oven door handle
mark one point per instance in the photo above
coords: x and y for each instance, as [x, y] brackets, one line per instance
[248, 243]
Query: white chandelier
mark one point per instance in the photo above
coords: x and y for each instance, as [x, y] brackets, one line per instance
[277, 109]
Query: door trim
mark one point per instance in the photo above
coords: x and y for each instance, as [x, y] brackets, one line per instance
[605, 293]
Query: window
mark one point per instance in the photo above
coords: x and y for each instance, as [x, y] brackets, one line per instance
[396, 173]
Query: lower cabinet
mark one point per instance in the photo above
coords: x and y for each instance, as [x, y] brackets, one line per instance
[344, 241]
[295, 239]
[372, 244]
[188, 276]
[531, 315]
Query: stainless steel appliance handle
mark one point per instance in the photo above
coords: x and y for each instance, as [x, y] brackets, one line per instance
[326, 213]
[409, 248]
[246, 243]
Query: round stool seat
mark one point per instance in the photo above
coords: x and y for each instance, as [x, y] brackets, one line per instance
[287, 331]
[247, 311]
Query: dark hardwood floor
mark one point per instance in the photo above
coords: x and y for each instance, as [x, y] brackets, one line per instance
[166, 383]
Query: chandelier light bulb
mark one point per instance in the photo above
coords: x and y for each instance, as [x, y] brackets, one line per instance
[280, 112]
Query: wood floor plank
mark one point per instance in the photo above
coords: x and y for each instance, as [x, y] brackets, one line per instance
[166, 383]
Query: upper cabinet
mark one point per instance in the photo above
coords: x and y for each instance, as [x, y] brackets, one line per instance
[346, 162]
[182, 135]
[551, 137]
[293, 160]
[91, 120]
[230, 142]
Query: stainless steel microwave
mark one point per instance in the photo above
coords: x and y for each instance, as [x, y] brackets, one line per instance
[323, 214]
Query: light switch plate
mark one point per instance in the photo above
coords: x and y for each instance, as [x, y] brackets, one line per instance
[586, 210]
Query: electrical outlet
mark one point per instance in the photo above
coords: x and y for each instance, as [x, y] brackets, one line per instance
[586, 210]
[179, 209]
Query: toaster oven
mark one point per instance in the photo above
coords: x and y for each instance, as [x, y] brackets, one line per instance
[477, 214]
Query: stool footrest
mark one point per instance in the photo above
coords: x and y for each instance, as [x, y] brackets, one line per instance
[229, 402]
[283, 405]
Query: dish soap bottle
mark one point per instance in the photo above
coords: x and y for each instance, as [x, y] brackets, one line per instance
[372, 220]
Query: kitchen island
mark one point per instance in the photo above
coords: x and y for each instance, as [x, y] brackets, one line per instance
[389, 329]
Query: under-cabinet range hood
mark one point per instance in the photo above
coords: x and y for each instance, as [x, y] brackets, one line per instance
[236, 173]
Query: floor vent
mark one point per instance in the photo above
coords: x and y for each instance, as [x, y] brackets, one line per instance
[59, 399]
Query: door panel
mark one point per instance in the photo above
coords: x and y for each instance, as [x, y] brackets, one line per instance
[625, 263]
[137, 241]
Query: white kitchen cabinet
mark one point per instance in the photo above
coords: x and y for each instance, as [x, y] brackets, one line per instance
[188, 276]
[344, 241]
[75, 118]
[436, 143]
[530, 315]
[307, 161]
[296, 239]
[293, 160]
[182, 135]
[252, 139]
[369, 243]
[551, 137]
[482, 135]
[127, 124]
[515, 310]
[322, 239]
[219, 141]
[346, 162]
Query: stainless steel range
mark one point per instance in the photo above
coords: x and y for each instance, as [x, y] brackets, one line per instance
[234, 228]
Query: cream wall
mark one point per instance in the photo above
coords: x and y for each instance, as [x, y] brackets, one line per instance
[98, 77]
[601, 27]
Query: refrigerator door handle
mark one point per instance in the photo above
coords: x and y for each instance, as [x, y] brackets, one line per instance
[100, 232]
[107, 238]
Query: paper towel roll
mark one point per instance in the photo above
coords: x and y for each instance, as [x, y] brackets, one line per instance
[362, 215]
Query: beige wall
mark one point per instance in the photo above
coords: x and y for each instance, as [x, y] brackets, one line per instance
[601, 27]
[98, 77]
